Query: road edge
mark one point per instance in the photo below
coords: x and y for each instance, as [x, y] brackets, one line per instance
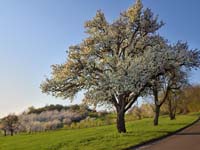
[151, 141]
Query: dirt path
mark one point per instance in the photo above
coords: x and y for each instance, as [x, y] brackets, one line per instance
[188, 139]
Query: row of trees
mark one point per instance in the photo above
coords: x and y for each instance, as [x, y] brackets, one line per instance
[77, 116]
[46, 120]
[186, 100]
[58, 107]
[182, 101]
[121, 61]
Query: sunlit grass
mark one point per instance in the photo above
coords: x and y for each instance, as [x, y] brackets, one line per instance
[98, 138]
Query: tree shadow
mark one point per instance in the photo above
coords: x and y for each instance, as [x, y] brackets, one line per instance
[164, 132]
[131, 133]
[175, 124]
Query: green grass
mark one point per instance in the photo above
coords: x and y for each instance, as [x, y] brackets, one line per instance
[98, 138]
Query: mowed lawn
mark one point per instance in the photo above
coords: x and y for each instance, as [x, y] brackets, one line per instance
[96, 138]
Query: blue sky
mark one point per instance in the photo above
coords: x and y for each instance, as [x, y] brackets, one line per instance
[36, 34]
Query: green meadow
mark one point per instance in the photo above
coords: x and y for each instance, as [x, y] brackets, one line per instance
[96, 138]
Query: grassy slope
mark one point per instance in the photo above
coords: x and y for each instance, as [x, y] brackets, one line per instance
[98, 138]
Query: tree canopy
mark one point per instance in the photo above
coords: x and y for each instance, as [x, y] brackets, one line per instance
[117, 61]
[9, 123]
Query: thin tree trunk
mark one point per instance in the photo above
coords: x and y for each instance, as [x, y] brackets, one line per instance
[172, 108]
[157, 114]
[157, 107]
[5, 133]
[121, 122]
[174, 112]
[172, 116]
[11, 132]
[171, 111]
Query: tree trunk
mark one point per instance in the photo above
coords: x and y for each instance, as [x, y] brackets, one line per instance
[172, 109]
[157, 107]
[172, 116]
[5, 133]
[121, 122]
[11, 132]
[157, 113]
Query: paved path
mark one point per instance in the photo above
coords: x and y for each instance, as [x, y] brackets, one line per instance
[188, 139]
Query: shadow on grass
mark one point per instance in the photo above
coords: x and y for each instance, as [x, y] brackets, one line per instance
[164, 132]
[177, 124]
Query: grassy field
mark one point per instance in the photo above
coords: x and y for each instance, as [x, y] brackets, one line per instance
[98, 138]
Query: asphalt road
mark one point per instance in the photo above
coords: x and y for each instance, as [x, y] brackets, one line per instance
[188, 139]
